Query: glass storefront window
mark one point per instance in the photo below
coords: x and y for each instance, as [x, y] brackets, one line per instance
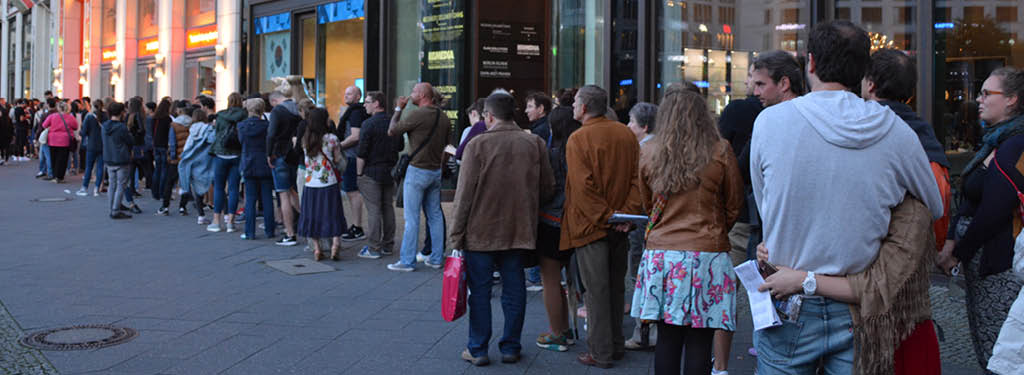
[712, 45]
[106, 89]
[200, 78]
[623, 92]
[577, 44]
[200, 12]
[971, 40]
[148, 21]
[108, 32]
[146, 82]
[273, 41]
[428, 46]
[341, 25]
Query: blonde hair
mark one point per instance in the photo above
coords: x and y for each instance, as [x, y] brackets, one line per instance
[254, 106]
[684, 144]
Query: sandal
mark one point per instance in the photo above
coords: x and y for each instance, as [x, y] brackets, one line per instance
[334, 254]
[318, 256]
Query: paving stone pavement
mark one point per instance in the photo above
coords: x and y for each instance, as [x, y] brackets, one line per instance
[205, 303]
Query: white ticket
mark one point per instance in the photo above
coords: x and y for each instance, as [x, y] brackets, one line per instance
[762, 310]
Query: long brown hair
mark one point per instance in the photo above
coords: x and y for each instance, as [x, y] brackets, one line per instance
[316, 127]
[684, 144]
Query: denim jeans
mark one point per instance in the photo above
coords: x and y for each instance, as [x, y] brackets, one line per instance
[93, 160]
[262, 188]
[823, 332]
[45, 166]
[422, 187]
[225, 174]
[479, 268]
[427, 247]
[159, 172]
[118, 184]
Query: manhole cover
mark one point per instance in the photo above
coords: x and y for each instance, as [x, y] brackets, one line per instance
[79, 337]
[301, 266]
[51, 199]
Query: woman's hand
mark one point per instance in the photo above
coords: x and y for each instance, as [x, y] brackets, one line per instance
[762, 252]
[785, 282]
[946, 261]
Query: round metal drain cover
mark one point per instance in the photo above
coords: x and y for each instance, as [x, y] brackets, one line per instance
[52, 199]
[82, 337]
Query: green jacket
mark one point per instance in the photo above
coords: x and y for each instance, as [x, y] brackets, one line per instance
[225, 120]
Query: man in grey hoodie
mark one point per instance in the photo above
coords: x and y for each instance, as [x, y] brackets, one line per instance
[826, 170]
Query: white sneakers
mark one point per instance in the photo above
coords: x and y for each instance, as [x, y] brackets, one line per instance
[213, 227]
[81, 192]
[201, 220]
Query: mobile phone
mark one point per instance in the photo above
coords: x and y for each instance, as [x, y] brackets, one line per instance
[766, 269]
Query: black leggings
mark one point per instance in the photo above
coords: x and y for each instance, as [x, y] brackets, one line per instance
[59, 161]
[669, 350]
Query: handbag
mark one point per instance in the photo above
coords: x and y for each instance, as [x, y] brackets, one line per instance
[398, 172]
[453, 294]
[44, 136]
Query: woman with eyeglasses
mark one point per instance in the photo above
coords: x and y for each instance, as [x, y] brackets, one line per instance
[981, 235]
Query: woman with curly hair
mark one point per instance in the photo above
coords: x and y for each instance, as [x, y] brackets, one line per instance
[691, 187]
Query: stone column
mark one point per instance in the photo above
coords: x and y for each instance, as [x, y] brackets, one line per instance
[229, 41]
[172, 47]
[72, 50]
[5, 45]
[19, 48]
[127, 48]
[41, 69]
[95, 87]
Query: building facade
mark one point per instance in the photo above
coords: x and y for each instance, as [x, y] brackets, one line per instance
[184, 48]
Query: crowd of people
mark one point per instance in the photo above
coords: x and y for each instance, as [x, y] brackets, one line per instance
[823, 175]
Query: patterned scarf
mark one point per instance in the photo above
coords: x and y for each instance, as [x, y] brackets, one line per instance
[994, 136]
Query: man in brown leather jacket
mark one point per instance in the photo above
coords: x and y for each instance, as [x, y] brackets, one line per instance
[505, 176]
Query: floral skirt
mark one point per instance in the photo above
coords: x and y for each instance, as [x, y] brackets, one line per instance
[686, 288]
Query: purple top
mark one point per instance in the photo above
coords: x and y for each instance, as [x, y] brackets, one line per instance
[477, 129]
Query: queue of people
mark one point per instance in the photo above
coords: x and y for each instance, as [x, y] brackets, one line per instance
[824, 176]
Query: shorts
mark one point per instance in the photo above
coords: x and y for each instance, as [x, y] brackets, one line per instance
[547, 243]
[348, 179]
[284, 176]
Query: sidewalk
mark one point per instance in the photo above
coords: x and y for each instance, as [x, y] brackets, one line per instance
[205, 303]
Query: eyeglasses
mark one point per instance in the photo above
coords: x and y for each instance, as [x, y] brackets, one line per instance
[987, 93]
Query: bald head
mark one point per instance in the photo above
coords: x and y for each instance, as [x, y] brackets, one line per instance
[423, 94]
[352, 95]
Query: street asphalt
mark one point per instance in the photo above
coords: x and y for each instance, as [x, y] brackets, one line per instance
[206, 303]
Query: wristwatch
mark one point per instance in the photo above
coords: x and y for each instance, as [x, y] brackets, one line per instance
[810, 284]
[398, 108]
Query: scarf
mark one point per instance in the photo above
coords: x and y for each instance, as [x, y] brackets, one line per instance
[993, 137]
[893, 291]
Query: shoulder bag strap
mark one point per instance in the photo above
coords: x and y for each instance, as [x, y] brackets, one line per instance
[61, 115]
[1020, 196]
[433, 130]
[659, 206]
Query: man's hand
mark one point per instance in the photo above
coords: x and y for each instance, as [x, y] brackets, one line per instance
[402, 101]
[270, 162]
[785, 282]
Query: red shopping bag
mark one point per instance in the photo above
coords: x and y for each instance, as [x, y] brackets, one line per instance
[453, 296]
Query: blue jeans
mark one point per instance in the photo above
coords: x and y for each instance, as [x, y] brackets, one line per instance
[479, 268]
[427, 248]
[225, 172]
[823, 332]
[93, 159]
[159, 172]
[44, 160]
[284, 175]
[422, 187]
[264, 189]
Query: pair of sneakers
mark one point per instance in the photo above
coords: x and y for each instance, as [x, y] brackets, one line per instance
[558, 343]
[354, 233]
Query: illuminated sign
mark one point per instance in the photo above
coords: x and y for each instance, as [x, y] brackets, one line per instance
[944, 25]
[790, 27]
[109, 54]
[149, 47]
[201, 37]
